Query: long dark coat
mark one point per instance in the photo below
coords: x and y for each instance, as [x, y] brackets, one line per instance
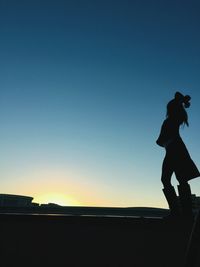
[177, 155]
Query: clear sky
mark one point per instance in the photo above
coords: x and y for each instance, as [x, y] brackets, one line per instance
[83, 92]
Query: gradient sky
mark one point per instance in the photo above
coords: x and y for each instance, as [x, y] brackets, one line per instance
[83, 91]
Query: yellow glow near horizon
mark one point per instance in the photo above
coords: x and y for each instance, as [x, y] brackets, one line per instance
[56, 198]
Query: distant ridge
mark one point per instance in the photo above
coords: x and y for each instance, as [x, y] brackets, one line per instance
[23, 204]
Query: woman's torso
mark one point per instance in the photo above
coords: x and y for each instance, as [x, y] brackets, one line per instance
[169, 133]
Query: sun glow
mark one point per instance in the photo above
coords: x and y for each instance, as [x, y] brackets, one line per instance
[57, 198]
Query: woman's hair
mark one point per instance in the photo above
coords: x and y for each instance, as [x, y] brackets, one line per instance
[176, 108]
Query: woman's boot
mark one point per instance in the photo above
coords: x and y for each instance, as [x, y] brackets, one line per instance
[185, 200]
[172, 200]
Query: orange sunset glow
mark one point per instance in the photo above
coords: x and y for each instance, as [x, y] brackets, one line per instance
[57, 198]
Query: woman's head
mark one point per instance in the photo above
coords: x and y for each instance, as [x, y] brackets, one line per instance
[176, 108]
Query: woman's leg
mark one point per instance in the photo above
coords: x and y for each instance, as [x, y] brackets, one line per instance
[167, 172]
[168, 190]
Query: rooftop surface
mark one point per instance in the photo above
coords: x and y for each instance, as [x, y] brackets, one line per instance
[57, 240]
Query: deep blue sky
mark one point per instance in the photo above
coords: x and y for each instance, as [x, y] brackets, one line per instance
[83, 91]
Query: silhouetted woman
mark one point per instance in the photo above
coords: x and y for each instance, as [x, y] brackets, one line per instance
[177, 159]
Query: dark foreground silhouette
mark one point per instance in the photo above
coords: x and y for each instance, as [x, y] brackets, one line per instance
[192, 258]
[44, 240]
[177, 159]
